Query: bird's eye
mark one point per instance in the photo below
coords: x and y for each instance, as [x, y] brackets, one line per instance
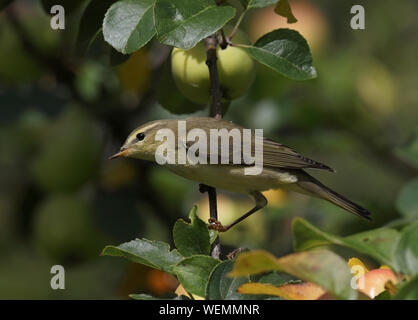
[140, 136]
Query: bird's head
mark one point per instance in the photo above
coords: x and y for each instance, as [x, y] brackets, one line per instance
[141, 143]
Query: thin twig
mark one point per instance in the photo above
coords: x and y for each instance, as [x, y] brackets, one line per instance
[211, 43]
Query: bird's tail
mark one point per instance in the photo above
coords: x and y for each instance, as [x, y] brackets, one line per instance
[313, 187]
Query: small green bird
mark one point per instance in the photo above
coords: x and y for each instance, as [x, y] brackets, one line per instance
[282, 167]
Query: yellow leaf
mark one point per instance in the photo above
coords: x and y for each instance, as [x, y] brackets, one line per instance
[181, 291]
[283, 9]
[254, 262]
[300, 291]
[357, 262]
[383, 266]
[322, 267]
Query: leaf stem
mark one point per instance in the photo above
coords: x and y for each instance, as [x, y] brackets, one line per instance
[96, 35]
[237, 24]
[190, 295]
[240, 45]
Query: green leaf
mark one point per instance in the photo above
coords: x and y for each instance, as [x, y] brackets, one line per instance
[399, 223]
[170, 98]
[322, 267]
[143, 296]
[407, 202]
[378, 243]
[249, 4]
[154, 254]
[191, 238]
[285, 51]
[222, 287]
[273, 278]
[213, 234]
[283, 9]
[183, 23]
[408, 291]
[385, 295]
[407, 250]
[193, 273]
[129, 24]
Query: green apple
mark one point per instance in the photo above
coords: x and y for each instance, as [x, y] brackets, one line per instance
[236, 70]
[64, 228]
[69, 153]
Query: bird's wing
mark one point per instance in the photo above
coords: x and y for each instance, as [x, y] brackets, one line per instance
[275, 155]
[280, 156]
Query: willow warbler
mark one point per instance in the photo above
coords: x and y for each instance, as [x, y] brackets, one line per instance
[282, 167]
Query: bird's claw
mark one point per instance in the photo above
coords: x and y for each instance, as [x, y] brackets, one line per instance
[233, 254]
[216, 225]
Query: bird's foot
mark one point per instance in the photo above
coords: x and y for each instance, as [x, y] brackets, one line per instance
[216, 225]
[234, 253]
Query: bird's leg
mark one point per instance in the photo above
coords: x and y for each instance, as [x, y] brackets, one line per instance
[213, 210]
[213, 207]
[260, 202]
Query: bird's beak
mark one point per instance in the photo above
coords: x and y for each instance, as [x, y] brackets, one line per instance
[123, 153]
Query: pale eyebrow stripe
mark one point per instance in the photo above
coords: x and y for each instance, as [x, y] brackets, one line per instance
[149, 126]
[143, 129]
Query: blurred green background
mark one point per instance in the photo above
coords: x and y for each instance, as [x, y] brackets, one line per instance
[66, 105]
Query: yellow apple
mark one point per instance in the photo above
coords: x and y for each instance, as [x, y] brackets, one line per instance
[236, 70]
[134, 74]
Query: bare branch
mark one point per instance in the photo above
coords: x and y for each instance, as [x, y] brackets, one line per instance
[211, 59]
